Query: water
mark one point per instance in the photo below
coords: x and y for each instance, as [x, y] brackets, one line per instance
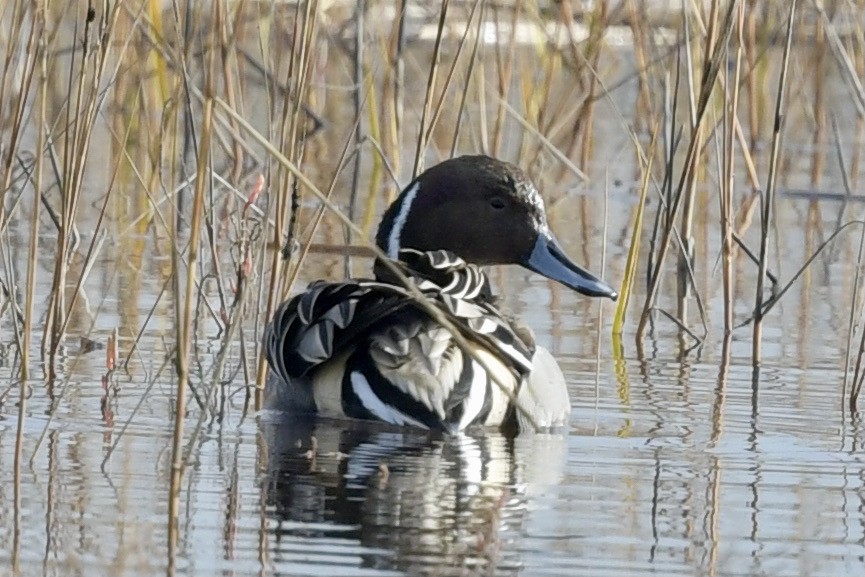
[665, 469]
[677, 461]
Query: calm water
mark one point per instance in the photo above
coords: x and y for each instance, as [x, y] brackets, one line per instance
[665, 469]
[674, 462]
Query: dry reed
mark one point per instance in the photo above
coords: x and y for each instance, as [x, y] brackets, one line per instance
[194, 117]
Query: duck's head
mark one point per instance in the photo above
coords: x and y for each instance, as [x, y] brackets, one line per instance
[487, 212]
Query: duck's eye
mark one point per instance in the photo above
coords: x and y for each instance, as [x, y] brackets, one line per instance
[497, 203]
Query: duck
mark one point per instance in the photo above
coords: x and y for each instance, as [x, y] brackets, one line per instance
[369, 349]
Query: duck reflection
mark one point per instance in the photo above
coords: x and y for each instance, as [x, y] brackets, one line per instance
[366, 496]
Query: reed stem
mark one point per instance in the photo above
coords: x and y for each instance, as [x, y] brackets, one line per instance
[767, 201]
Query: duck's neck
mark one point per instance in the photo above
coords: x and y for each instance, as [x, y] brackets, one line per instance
[390, 231]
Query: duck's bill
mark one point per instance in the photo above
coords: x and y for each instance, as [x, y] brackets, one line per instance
[548, 259]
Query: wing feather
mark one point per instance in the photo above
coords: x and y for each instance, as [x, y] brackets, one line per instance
[405, 347]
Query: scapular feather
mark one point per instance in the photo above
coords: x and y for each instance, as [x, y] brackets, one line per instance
[329, 317]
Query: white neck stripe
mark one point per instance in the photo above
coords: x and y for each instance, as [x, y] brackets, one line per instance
[393, 238]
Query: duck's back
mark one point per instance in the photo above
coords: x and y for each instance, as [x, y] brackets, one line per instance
[367, 349]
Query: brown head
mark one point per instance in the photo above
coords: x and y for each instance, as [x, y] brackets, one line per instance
[486, 211]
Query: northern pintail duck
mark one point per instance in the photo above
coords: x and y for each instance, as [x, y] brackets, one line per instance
[366, 349]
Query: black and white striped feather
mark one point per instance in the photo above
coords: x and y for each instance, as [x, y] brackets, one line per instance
[401, 366]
